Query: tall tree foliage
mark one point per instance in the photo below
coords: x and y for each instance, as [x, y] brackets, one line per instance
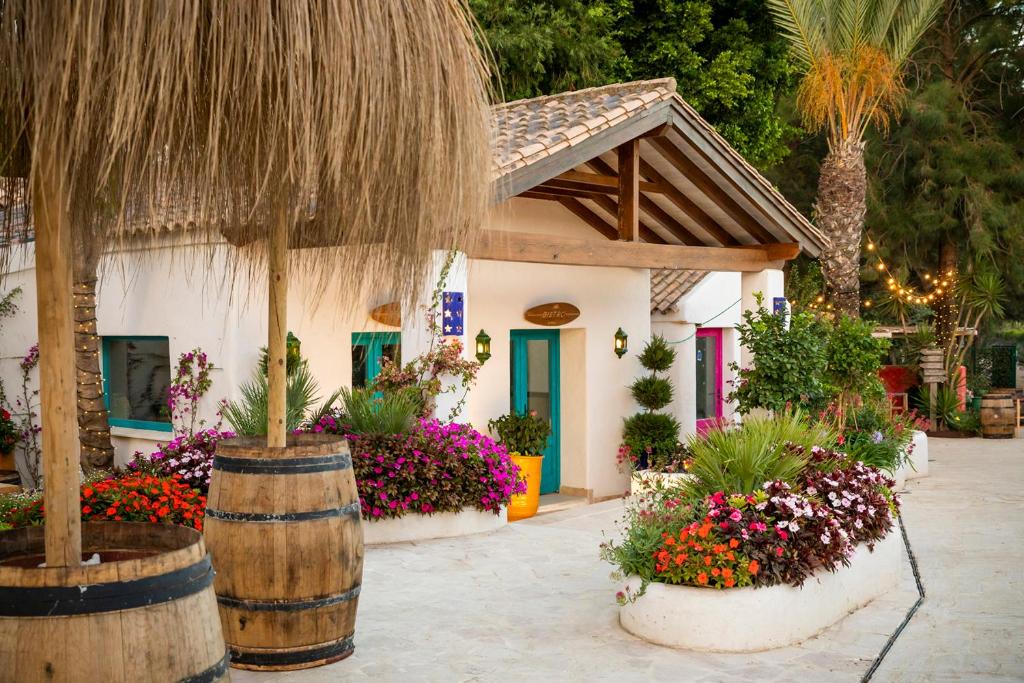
[728, 59]
[851, 54]
[950, 190]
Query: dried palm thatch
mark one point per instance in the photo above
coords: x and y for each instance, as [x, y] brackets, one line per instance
[365, 123]
[309, 122]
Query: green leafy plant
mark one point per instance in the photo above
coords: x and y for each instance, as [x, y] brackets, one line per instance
[790, 361]
[947, 404]
[522, 434]
[248, 415]
[652, 392]
[853, 359]
[741, 459]
[370, 413]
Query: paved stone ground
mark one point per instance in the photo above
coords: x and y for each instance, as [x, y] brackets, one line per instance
[533, 602]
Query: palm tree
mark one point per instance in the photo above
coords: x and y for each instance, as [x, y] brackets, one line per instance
[851, 54]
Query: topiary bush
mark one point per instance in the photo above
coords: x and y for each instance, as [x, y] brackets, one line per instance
[651, 439]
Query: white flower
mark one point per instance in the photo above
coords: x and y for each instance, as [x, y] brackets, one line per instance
[783, 525]
[871, 510]
[825, 538]
[811, 491]
[861, 508]
[793, 527]
[859, 524]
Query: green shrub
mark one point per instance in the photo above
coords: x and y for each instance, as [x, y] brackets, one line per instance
[522, 434]
[373, 413]
[657, 355]
[741, 459]
[652, 438]
[651, 392]
[853, 359]
[789, 364]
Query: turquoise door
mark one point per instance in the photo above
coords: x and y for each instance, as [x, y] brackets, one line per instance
[535, 387]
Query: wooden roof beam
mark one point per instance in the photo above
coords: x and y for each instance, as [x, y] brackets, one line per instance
[589, 217]
[628, 154]
[688, 207]
[696, 175]
[600, 182]
[608, 205]
[499, 245]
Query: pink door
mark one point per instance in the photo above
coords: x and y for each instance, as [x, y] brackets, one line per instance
[709, 378]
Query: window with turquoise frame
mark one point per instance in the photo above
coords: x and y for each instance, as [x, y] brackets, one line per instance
[368, 350]
[136, 377]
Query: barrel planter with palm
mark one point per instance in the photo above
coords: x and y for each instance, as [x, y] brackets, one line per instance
[525, 436]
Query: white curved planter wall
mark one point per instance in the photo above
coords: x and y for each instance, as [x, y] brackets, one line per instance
[748, 619]
[416, 527]
[918, 457]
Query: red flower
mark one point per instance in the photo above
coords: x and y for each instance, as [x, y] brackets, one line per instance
[702, 579]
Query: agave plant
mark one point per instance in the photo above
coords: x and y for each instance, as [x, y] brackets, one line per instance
[741, 459]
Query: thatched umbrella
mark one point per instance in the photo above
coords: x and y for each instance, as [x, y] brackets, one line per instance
[305, 123]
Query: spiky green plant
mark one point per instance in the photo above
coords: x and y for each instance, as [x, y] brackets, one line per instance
[248, 415]
[741, 459]
[374, 413]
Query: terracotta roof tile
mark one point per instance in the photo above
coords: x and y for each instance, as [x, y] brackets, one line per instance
[669, 286]
[532, 129]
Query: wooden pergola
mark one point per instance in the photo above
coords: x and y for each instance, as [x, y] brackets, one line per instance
[644, 170]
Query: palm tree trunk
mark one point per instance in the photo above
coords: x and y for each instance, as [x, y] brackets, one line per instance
[97, 451]
[840, 210]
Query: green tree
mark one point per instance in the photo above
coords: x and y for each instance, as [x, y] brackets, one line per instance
[851, 54]
[949, 193]
[728, 59]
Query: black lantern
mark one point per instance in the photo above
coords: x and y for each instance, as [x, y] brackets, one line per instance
[621, 343]
[483, 347]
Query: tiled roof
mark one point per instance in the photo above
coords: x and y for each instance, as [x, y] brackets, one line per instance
[528, 130]
[668, 287]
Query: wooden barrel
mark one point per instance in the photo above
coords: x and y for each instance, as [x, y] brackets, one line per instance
[282, 525]
[997, 416]
[147, 613]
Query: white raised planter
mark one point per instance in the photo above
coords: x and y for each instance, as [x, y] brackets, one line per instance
[644, 480]
[749, 619]
[918, 466]
[415, 527]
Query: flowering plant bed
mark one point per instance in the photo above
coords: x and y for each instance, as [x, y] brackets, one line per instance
[794, 513]
[189, 456]
[129, 498]
[749, 619]
[436, 468]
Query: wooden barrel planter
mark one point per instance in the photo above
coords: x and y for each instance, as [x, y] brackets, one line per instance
[997, 416]
[146, 613]
[282, 525]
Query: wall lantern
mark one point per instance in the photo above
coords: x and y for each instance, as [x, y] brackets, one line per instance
[621, 343]
[483, 347]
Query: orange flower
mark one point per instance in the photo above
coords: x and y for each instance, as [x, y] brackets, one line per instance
[727, 572]
[683, 535]
[730, 556]
[753, 567]
[716, 571]
[729, 583]
[680, 558]
[702, 579]
[733, 543]
[707, 560]
[669, 540]
[704, 531]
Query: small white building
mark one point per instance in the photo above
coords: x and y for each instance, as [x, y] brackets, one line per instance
[619, 200]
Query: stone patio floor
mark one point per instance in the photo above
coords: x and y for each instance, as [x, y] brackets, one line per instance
[532, 602]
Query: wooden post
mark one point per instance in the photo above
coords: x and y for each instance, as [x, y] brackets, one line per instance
[629, 191]
[277, 332]
[54, 254]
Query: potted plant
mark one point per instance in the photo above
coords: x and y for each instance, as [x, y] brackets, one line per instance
[8, 439]
[525, 437]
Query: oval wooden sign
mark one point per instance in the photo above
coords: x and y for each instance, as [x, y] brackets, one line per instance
[552, 315]
[388, 314]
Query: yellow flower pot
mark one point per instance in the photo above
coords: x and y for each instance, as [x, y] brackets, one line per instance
[524, 505]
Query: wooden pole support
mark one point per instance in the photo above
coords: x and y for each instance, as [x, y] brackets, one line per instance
[58, 398]
[277, 332]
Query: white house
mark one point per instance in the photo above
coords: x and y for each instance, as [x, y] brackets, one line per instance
[619, 200]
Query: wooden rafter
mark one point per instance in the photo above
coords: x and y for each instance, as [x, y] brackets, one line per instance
[608, 205]
[599, 182]
[696, 175]
[674, 227]
[589, 217]
[629, 190]
[500, 245]
[688, 207]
